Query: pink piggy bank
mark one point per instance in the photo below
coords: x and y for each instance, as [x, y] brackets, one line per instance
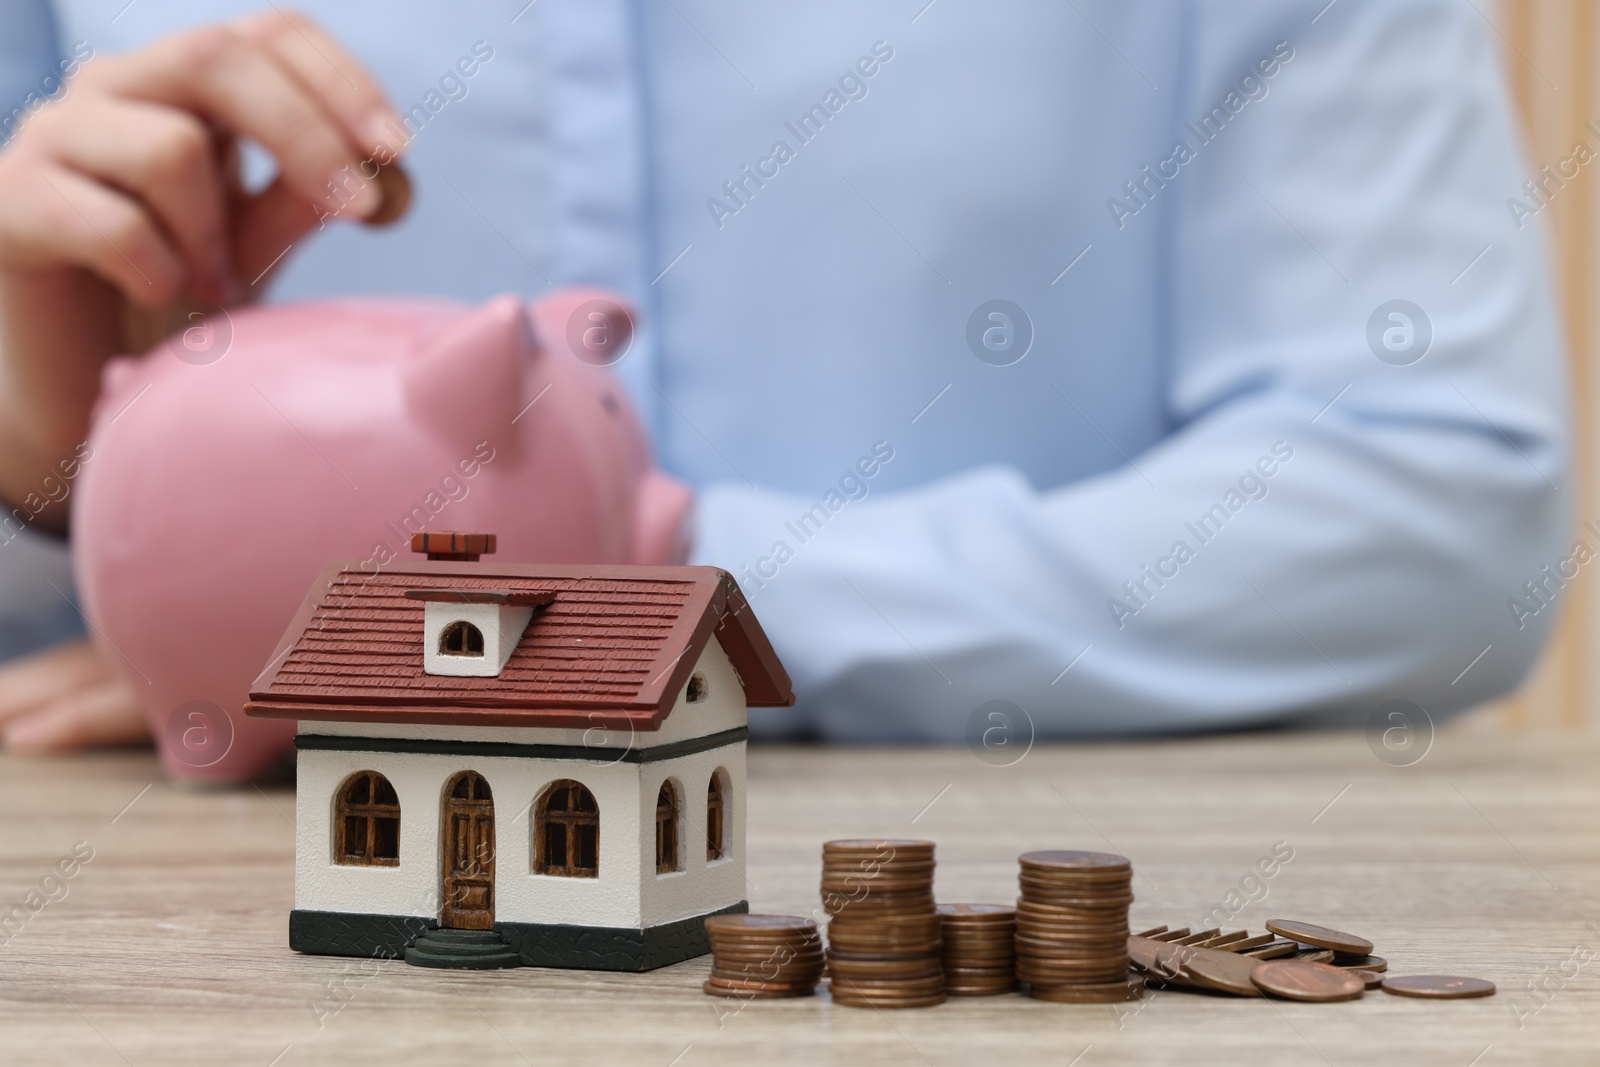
[231, 462]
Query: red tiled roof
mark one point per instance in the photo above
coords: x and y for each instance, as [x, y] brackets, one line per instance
[614, 647]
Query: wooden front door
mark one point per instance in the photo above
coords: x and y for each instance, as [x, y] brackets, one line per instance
[468, 874]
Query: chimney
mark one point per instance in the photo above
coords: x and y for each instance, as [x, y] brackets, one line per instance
[445, 544]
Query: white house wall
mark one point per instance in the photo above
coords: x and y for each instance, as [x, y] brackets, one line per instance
[628, 893]
[701, 886]
[723, 709]
[413, 887]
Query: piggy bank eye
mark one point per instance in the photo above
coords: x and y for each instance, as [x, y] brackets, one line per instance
[609, 402]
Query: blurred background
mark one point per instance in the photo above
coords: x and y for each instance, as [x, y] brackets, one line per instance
[1549, 49]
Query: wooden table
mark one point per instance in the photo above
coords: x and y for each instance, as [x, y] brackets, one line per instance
[1483, 859]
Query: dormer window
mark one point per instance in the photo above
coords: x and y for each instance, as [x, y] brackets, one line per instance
[698, 690]
[461, 638]
[472, 633]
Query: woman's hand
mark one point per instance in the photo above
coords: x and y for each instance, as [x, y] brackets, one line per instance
[125, 194]
[67, 698]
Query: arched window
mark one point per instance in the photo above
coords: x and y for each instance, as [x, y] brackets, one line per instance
[667, 829]
[461, 638]
[366, 821]
[716, 818]
[566, 829]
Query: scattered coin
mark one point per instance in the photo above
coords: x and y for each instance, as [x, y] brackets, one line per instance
[1364, 963]
[1198, 936]
[1226, 972]
[1274, 950]
[1296, 980]
[1372, 979]
[1440, 986]
[1320, 936]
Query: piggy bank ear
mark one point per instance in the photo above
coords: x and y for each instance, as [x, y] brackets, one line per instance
[593, 324]
[465, 383]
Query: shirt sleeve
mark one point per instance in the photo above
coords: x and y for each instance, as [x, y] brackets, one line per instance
[1367, 486]
[36, 609]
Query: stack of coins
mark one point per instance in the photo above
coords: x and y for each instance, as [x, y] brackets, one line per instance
[979, 953]
[1072, 926]
[765, 956]
[883, 938]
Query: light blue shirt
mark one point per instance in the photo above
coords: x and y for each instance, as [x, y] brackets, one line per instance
[1200, 479]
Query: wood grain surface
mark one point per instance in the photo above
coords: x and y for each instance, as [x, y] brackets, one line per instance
[168, 946]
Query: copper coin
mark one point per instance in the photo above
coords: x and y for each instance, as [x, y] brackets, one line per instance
[774, 953]
[779, 957]
[1054, 974]
[976, 911]
[758, 964]
[1224, 971]
[845, 1000]
[912, 968]
[1142, 951]
[1244, 944]
[395, 186]
[1320, 936]
[977, 959]
[974, 974]
[851, 942]
[1371, 979]
[1440, 986]
[924, 952]
[756, 994]
[873, 907]
[892, 846]
[1197, 937]
[920, 985]
[1362, 963]
[1153, 931]
[1314, 955]
[1170, 935]
[1168, 962]
[1098, 993]
[1222, 940]
[1047, 977]
[1072, 860]
[1273, 950]
[1296, 980]
[751, 983]
[740, 924]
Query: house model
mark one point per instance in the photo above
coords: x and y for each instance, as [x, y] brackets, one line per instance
[503, 764]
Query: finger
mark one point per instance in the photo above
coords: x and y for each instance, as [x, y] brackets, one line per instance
[267, 227]
[99, 716]
[57, 217]
[230, 80]
[332, 75]
[31, 681]
[168, 159]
